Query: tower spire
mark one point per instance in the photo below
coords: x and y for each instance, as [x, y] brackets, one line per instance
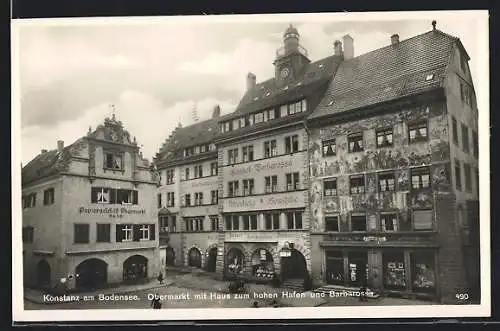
[113, 117]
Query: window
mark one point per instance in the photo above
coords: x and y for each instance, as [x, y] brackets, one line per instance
[394, 270]
[422, 220]
[458, 175]
[292, 144]
[213, 169]
[170, 199]
[423, 276]
[467, 94]
[103, 233]
[100, 195]
[420, 178]
[250, 119]
[186, 174]
[124, 232]
[144, 232]
[294, 220]
[417, 131]
[159, 200]
[214, 197]
[283, 110]
[113, 161]
[454, 130]
[259, 118]
[81, 233]
[233, 189]
[198, 199]
[173, 221]
[232, 156]
[475, 144]
[198, 171]
[468, 179]
[250, 222]
[271, 114]
[271, 184]
[29, 200]
[429, 77]
[170, 176]
[270, 148]
[358, 223]
[236, 124]
[242, 122]
[247, 153]
[330, 187]
[329, 147]
[332, 223]
[357, 184]
[384, 137]
[465, 138]
[248, 187]
[203, 148]
[28, 234]
[187, 200]
[477, 180]
[232, 222]
[272, 221]
[194, 224]
[127, 197]
[389, 222]
[355, 142]
[386, 182]
[214, 223]
[48, 196]
[292, 181]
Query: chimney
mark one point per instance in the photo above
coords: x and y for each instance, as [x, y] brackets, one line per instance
[44, 151]
[60, 145]
[216, 112]
[348, 47]
[251, 81]
[337, 48]
[395, 39]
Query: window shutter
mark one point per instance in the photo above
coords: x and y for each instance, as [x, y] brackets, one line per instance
[422, 219]
[112, 195]
[119, 233]
[93, 194]
[152, 232]
[135, 197]
[136, 232]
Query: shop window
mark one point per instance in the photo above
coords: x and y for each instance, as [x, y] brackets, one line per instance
[334, 267]
[48, 196]
[81, 233]
[294, 220]
[270, 148]
[386, 182]
[330, 187]
[358, 223]
[247, 152]
[292, 144]
[420, 178]
[262, 264]
[384, 137]
[332, 223]
[355, 142]
[329, 147]
[272, 221]
[389, 222]
[248, 187]
[423, 272]
[357, 184]
[422, 220]
[292, 181]
[417, 131]
[271, 184]
[394, 270]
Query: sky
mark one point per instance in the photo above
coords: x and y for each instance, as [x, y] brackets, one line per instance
[156, 73]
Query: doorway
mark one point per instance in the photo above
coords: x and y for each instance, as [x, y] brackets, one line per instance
[357, 267]
[43, 274]
[212, 259]
[334, 268]
[91, 274]
[294, 266]
[135, 269]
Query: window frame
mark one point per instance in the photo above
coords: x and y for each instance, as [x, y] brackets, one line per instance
[358, 190]
[115, 155]
[337, 220]
[430, 211]
[383, 218]
[328, 144]
[351, 223]
[82, 225]
[417, 126]
[100, 239]
[386, 176]
[384, 133]
[49, 196]
[334, 192]
[420, 172]
[356, 137]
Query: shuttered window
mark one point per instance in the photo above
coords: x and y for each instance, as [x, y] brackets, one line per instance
[422, 220]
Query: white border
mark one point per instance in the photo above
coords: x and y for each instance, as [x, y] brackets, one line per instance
[482, 310]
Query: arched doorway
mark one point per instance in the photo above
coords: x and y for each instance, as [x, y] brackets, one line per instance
[212, 259]
[262, 264]
[91, 274]
[194, 258]
[235, 262]
[135, 269]
[294, 266]
[170, 256]
[43, 274]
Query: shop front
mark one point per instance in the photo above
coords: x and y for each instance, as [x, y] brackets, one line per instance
[235, 263]
[262, 265]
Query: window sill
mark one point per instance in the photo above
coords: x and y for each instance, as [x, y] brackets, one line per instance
[144, 239]
[113, 170]
[416, 141]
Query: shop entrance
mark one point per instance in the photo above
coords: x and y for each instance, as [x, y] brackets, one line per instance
[334, 268]
[194, 258]
[357, 268]
[212, 259]
[135, 269]
[43, 274]
[91, 274]
[294, 266]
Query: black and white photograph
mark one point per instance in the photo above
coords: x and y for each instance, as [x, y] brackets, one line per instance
[202, 167]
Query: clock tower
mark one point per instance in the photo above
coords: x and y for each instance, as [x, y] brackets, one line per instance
[291, 58]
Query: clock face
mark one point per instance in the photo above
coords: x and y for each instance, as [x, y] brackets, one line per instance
[285, 72]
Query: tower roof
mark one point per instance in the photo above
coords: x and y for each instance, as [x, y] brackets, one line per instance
[291, 30]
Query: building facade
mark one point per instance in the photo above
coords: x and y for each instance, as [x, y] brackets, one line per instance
[89, 215]
[393, 197]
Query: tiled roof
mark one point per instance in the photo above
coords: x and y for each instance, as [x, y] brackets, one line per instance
[388, 73]
[269, 93]
[200, 133]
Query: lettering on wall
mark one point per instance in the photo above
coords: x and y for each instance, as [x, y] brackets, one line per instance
[261, 166]
[113, 212]
[290, 200]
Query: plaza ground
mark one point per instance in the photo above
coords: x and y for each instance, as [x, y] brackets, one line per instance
[183, 290]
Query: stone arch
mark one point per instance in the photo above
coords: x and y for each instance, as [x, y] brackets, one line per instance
[200, 251]
[43, 273]
[246, 256]
[91, 274]
[263, 269]
[302, 259]
[135, 268]
[170, 256]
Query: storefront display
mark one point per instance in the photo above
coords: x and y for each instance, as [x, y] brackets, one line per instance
[235, 259]
[335, 267]
[262, 264]
[423, 275]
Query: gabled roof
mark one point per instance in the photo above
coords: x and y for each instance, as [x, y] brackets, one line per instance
[388, 73]
[270, 93]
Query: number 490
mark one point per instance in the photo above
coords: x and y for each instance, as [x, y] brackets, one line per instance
[462, 296]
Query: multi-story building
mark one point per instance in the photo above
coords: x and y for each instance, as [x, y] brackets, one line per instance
[187, 198]
[89, 215]
[393, 157]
